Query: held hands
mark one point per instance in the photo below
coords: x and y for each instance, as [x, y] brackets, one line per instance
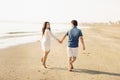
[59, 41]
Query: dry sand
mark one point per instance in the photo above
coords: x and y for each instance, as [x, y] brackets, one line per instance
[100, 60]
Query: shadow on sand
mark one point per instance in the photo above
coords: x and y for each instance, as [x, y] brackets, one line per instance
[93, 72]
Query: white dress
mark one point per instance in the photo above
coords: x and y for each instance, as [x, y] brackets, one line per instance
[46, 40]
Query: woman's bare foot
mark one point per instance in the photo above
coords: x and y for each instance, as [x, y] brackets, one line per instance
[42, 60]
[44, 66]
[43, 63]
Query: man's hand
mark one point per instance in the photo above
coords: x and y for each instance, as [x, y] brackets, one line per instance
[59, 41]
[82, 41]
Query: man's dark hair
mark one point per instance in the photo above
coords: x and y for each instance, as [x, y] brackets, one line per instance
[74, 22]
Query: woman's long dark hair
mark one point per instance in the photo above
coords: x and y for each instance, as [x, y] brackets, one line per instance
[45, 27]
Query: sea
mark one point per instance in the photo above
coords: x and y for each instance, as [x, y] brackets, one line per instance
[15, 33]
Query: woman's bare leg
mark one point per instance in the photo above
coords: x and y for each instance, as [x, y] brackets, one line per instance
[44, 58]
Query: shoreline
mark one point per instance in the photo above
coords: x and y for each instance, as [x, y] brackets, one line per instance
[7, 40]
[37, 38]
[100, 60]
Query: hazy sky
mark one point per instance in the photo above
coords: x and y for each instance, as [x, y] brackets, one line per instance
[60, 10]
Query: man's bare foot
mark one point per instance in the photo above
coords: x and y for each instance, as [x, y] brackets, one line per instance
[70, 67]
[70, 70]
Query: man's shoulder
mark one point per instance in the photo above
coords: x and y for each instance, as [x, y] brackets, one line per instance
[78, 29]
[74, 29]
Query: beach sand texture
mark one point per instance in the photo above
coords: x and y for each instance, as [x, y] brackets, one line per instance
[100, 60]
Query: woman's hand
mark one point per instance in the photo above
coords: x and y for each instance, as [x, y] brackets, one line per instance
[59, 41]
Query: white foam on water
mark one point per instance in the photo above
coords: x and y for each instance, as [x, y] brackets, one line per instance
[4, 43]
[27, 33]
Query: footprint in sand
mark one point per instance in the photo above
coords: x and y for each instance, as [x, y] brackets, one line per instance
[86, 53]
[39, 71]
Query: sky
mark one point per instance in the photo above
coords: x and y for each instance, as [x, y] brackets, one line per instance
[60, 10]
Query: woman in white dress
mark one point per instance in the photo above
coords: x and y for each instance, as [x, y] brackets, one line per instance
[46, 41]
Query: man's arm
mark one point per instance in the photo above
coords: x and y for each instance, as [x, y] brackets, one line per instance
[63, 38]
[82, 41]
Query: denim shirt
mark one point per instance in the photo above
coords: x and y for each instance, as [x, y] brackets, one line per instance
[73, 37]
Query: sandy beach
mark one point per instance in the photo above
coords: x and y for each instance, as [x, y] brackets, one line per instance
[100, 60]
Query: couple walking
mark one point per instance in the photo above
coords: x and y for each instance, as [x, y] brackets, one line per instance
[73, 34]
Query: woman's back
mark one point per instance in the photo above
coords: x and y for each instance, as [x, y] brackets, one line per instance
[46, 36]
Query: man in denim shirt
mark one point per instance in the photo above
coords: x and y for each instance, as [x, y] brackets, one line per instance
[74, 35]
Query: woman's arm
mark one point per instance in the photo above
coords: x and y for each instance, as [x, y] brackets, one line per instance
[54, 37]
[82, 41]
